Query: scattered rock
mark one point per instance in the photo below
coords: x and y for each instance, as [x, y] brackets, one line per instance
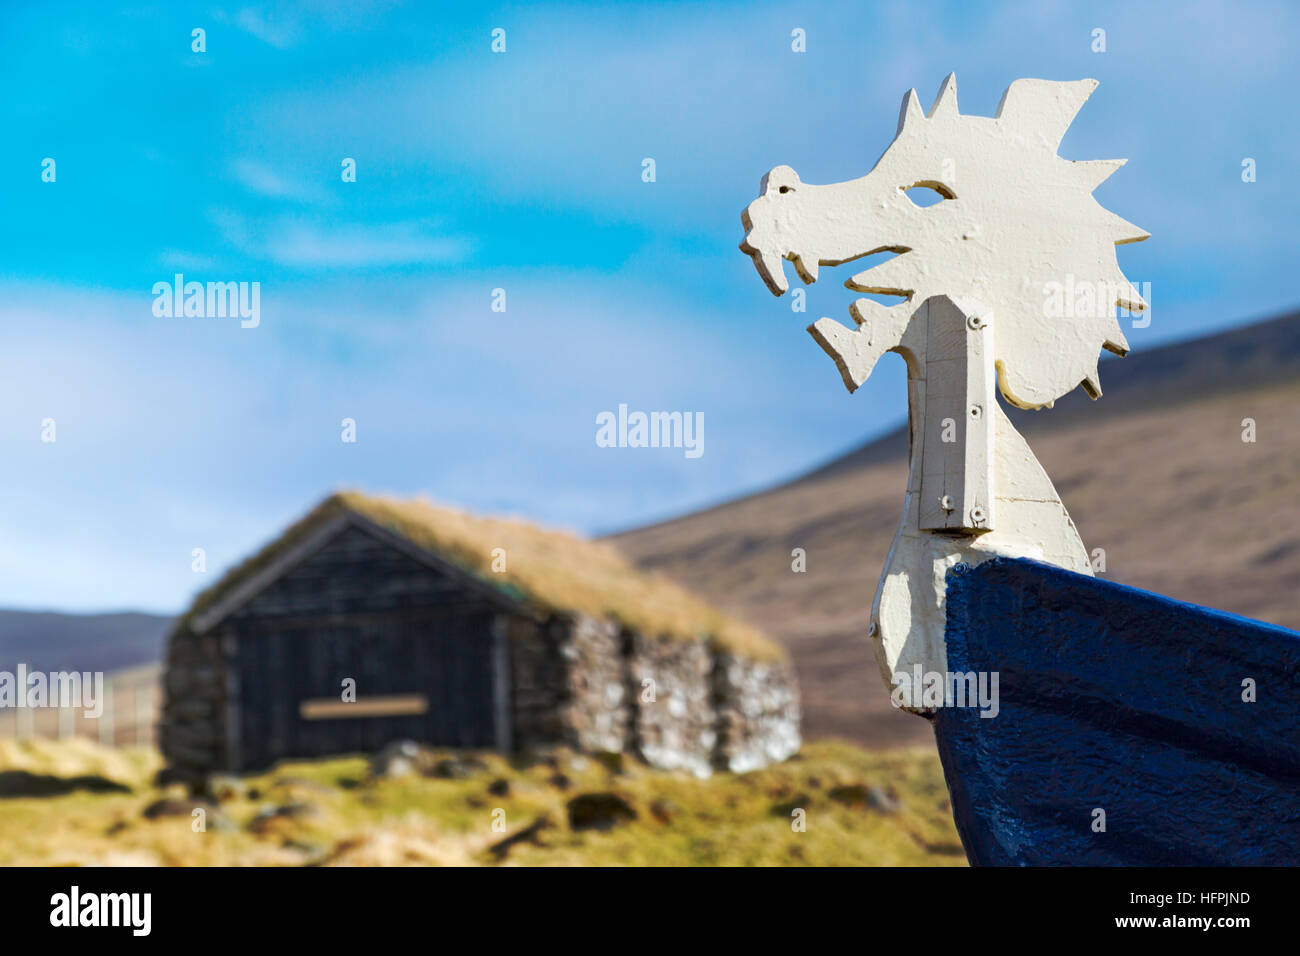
[538, 756]
[213, 818]
[883, 801]
[528, 834]
[177, 791]
[220, 823]
[786, 808]
[457, 768]
[398, 759]
[287, 811]
[864, 797]
[664, 810]
[499, 787]
[849, 794]
[599, 811]
[167, 807]
[314, 852]
[299, 784]
[223, 788]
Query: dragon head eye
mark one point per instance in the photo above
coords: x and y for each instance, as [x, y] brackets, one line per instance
[781, 179]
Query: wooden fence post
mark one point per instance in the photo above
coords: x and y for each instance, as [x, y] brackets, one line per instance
[106, 736]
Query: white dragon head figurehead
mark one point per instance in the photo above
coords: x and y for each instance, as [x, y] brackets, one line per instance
[1015, 221]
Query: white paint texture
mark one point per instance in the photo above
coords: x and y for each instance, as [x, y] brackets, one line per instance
[981, 273]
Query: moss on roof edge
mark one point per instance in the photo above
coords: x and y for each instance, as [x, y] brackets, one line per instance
[542, 573]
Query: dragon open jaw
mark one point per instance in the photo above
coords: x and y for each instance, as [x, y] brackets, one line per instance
[771, 266]
[769, 258]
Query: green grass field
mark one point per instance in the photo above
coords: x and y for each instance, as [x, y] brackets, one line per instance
[858, 808]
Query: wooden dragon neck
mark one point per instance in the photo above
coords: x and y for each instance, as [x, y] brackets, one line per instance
[975, 490]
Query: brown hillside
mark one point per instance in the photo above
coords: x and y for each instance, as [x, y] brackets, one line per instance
[1156, 473]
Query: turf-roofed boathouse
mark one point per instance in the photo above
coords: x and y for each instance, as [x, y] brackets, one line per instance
[462, 631]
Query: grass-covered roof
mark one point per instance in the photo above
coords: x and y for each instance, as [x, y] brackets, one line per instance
[547, 569]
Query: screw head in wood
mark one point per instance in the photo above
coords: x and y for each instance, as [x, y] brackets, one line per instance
[946, 503]
[975, 323]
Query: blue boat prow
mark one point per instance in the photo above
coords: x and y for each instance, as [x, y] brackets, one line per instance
[1118, 700]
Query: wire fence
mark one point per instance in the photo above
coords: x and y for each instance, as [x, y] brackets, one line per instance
[132, 699]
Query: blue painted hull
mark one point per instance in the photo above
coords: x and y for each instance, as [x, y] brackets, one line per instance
[1122, 701]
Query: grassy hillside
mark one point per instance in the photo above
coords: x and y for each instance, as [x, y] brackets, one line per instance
[1155, 473]
[861, 809]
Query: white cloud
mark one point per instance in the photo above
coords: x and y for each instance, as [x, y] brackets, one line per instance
[273, 184]
[321, 243]
[281, 33]
[389, 244]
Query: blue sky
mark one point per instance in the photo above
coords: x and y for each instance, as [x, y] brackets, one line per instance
[522, 170]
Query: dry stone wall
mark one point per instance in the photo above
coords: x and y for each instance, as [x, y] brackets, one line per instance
[538, 673]
[192, 732]
[575, 681]
[758, 712]
[596, 711]
[678, 705]
[674, 723]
